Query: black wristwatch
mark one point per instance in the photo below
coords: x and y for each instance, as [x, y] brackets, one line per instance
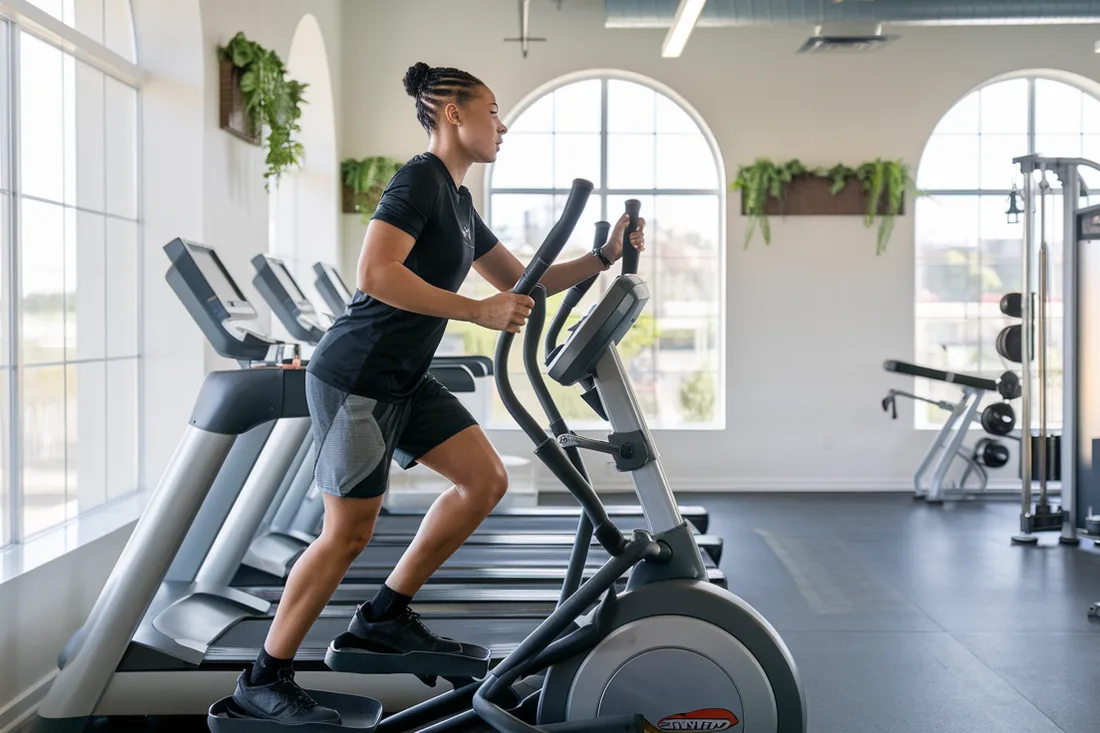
[597, 252]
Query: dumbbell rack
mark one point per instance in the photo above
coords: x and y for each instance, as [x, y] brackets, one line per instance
[947, 446]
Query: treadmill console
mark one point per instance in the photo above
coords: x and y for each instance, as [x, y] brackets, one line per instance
[287, 301]
[332, 288]
[218, 306]
[606, 322]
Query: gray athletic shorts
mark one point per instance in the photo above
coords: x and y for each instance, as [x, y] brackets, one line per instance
[356, 437]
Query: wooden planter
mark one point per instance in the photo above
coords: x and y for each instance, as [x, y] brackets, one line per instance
[232, 115]
[347, 197]
[810, 195]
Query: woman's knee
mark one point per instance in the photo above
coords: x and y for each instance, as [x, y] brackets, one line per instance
[488, 487]
[349, 524]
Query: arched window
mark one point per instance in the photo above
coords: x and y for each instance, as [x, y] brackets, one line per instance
[69, 376]
[967, 254]
[632, 141]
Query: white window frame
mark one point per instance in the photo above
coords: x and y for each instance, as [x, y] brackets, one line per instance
[603, 191]
[23, 17]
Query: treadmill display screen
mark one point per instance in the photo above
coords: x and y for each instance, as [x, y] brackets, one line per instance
[287, 282]
[215, 276]
[338, 283]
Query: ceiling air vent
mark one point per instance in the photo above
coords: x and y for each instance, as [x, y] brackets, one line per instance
[846, 38]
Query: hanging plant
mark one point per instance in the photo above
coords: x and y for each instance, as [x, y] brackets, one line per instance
[365, 180]
[884, 182]
[766, 188]
[270, 100]
[760, 182]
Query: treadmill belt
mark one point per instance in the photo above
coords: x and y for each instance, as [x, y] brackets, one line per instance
[242, 642]
[407, 524]
[383, 558]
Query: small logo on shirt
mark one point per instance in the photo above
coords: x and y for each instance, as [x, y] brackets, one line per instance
[467, 236]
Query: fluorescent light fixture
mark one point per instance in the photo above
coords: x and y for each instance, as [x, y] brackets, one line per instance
[682, 25]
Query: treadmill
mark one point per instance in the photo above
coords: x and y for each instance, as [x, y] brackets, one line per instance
[336, 295]
[160, 643]
[247, 551]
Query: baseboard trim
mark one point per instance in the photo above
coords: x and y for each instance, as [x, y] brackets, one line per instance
[18, 713]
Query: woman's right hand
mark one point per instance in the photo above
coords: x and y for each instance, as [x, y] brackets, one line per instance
[504, 312]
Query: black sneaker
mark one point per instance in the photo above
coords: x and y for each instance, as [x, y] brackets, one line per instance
[283, 701]
[405, 633]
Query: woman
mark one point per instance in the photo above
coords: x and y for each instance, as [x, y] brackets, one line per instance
[372, 400]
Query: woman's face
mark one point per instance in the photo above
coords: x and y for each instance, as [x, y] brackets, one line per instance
[479, 129]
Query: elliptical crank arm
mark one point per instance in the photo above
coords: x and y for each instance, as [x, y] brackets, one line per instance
[573, 440]
[642, 546]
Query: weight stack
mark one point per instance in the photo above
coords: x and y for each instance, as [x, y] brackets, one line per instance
[1054, 458]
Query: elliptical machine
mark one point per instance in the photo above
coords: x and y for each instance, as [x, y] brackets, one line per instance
[672, 652]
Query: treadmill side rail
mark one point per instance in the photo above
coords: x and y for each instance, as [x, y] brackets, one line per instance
[234, 402]
[137, 575]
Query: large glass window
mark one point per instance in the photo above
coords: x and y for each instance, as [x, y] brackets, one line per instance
[69, 342]
[631, 141]
[967, 255]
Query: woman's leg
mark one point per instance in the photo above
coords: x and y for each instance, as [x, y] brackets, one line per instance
[348, 526]
[468, 461]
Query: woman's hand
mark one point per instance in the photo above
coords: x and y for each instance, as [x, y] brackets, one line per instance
[505, 311]
[613, 250]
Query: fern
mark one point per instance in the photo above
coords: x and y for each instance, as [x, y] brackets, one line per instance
[759, 182]
[269, 99]
[367, 179]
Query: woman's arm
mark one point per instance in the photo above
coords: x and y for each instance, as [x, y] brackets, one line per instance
[382, 275]
[501, 268]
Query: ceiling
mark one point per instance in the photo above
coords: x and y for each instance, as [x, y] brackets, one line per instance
[724, 13]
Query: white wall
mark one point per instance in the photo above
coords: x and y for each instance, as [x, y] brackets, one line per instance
[810, 319]
[39, 612]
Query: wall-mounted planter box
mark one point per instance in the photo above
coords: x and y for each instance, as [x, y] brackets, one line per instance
[348, 199]
[812, 196]
[231, 103]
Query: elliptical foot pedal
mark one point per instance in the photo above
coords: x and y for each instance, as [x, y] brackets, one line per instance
[357, 713]
[473, 662]
[1024, 539]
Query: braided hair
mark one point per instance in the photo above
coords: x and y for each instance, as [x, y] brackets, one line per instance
[432, 85]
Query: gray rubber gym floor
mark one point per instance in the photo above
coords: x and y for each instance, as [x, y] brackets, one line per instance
[909, 617]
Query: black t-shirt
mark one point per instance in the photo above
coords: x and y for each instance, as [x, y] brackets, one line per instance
[382, 352]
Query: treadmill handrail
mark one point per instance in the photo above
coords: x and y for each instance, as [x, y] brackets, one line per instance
[916, 370]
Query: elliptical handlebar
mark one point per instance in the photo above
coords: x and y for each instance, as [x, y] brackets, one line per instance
[556, 239]
[546, 448]
[630, 254]
[573, 296]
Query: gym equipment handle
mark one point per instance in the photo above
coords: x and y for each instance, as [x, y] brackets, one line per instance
[556, 239]
[573, 296]
[547, 448]
[916, 370]
[630, 254]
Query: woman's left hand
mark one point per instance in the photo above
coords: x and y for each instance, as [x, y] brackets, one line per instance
[613, 250]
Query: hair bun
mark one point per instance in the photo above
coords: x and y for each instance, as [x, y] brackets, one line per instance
[415, 76]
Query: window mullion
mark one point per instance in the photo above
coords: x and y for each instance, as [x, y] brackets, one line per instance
[15, 473]
[605, 184]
